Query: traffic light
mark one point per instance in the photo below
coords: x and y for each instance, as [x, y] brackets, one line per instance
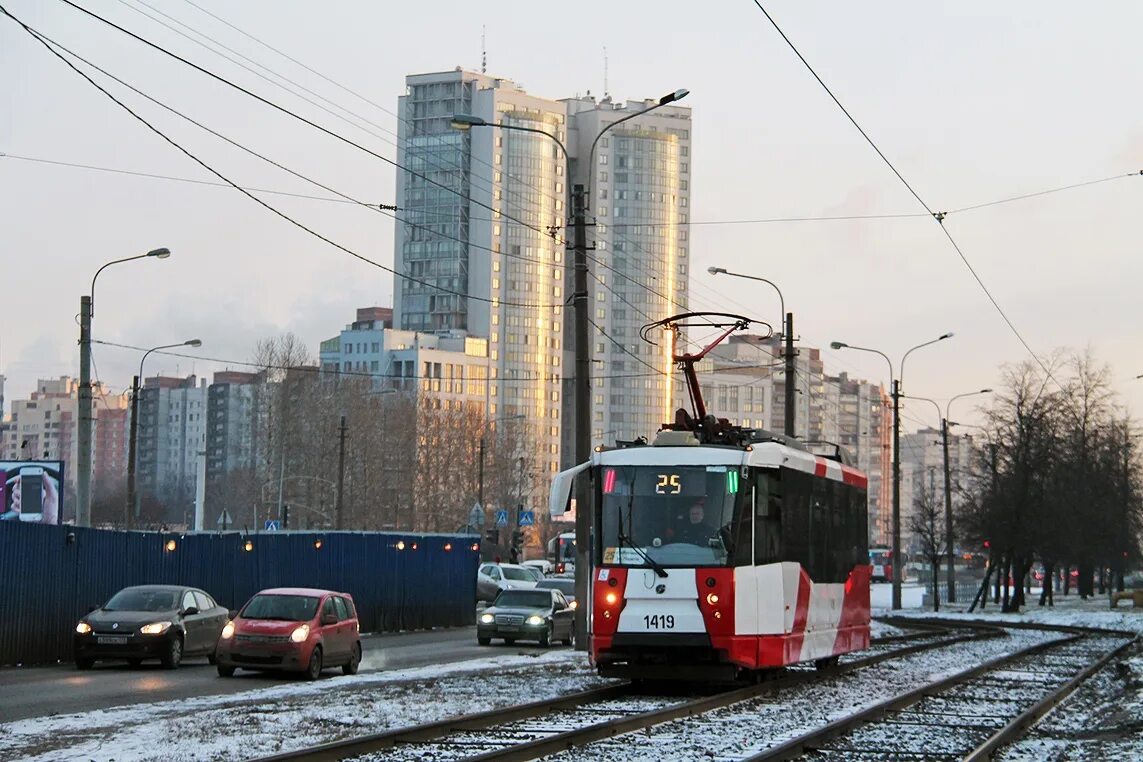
[285, 516]
[517, 538]
[492, 535]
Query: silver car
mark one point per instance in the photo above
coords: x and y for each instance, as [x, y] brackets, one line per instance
[492, 578]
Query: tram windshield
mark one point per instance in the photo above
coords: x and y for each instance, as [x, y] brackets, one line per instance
[668, 516]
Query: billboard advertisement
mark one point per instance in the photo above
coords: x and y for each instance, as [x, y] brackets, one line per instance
[31, 490]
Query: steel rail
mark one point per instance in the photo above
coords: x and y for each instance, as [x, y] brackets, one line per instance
[813, 740]
[1025, 720]
[440, 730]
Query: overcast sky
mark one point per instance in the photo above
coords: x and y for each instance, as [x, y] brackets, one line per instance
[971, 101]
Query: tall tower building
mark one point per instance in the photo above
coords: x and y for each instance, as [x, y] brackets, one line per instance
[484, 239]
[476, 226]
[638, 181]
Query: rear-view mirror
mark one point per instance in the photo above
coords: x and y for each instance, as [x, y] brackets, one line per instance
[190, 611]
[327, 619]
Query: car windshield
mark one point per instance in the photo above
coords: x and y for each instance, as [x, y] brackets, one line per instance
[565, 586]
[143, 600]
[534, 573]
[289, 608]
[540, 599]
[522, 575]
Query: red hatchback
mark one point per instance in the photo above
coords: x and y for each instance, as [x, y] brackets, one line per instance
[292, 628]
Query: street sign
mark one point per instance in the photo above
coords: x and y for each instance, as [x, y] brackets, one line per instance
[527, 518]
[224, 519]
[476, 515]
[273, 525]
[502, 518]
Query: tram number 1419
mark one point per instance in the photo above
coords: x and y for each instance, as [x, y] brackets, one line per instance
[659, 622]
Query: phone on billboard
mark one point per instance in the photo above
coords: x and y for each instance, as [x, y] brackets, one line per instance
[31, 494]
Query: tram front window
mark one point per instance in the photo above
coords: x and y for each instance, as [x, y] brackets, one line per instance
[677, 516]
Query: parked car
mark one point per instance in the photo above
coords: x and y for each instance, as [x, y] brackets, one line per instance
[540, 615]
[544, 566]
[164, 622]
[565, 585]
[491, 579]
[295, 629]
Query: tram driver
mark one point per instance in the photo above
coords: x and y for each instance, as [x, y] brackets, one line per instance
[693, 528]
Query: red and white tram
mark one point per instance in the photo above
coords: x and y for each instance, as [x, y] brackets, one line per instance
[719, 551]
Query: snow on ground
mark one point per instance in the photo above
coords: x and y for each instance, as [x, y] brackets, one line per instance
[296, 714]
[752, 726]
[1101, 721]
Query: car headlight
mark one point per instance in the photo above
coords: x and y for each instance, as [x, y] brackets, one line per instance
[83, 628]
[155, 628]
[535, 619]
[300, 634]
[228, 631]
[573, 604]
[487, 618]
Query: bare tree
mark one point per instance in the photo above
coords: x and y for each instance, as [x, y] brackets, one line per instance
[927, 523]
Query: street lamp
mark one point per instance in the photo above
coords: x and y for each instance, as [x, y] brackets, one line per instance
[787, 333]
[948, 496]
[896, 386]
[582, 396]
[132, 509]
[83, 433]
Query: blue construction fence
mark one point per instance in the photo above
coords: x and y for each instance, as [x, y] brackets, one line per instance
[50, 576]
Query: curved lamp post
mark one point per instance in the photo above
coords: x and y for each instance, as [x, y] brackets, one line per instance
[84, 393]
[786, 331]
[132, 507]
[896, 385]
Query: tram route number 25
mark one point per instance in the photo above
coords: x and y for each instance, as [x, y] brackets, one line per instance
[668, 484]
[659, 621]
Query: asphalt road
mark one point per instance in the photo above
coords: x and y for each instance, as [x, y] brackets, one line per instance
[62, 689]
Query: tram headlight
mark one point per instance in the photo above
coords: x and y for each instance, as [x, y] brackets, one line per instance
[712, 599]
[611, 598]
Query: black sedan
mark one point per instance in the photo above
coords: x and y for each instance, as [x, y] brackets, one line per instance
[540, 615]
[164, 622]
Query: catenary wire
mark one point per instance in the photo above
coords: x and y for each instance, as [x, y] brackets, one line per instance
[939, 217]
[248, 194]
[435, 159]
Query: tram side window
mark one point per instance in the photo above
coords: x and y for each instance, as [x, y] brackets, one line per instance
[795, 527]
[767, 518]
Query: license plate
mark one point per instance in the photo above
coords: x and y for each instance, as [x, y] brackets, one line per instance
[115, 640]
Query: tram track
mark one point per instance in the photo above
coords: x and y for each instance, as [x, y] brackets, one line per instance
[533, 730]
[967, 715]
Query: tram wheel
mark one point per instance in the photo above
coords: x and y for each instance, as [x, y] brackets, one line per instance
[828, 662]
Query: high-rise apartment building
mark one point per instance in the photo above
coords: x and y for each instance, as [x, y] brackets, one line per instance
[171, 438]
[638, 185]
[484, 243]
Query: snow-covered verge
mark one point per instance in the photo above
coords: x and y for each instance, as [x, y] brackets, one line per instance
[1103, 719]
[295, 714]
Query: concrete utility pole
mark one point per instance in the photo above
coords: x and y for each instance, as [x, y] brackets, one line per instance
[948, 514]
[791, 390]
[895, 556]
[129, 509]
[340, 470]
[83, 433]
[582, 417]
